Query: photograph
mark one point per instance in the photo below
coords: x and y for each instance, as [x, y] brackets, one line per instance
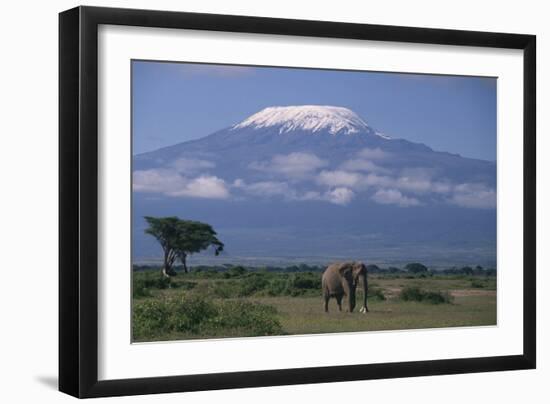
[275, 201]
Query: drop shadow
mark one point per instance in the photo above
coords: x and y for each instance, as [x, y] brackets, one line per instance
[48, 381]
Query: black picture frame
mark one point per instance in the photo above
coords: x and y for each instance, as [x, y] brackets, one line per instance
[78, 201]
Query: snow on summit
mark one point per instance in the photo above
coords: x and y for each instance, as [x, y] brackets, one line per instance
[307, 117]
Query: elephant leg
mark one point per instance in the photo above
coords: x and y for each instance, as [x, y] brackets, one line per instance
[327, 298]
[339, 301]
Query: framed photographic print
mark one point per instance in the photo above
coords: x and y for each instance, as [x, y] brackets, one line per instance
[250, 201]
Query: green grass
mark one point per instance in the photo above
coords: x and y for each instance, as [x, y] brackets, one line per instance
[212, 304]
[304, 315]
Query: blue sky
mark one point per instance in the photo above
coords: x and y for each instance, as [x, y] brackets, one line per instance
[175, 102]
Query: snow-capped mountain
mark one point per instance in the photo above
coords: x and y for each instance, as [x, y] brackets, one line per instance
[340, 135]
[308, 168]
[309, 118]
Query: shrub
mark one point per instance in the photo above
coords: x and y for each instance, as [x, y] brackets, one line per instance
[477, 284]
[192, 315]
[225, 289]
[189, 313]
[411, 294]
[376, 294]
[437, 297]
[138, 290]
[151, 280]
[248, 317]
[185, 285]
[144, 282]
[262, 284]
[277, 286]
[252, 284]
[419, 295]
[234, 272]
[150, 318]
[305, 281]
[467, 270]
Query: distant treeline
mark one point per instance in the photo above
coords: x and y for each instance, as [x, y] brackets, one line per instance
[411, 268]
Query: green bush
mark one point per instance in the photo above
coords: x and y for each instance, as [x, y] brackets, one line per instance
[252, 284]
[184, 285]
[477, 284]
[224, 289]
[437, 297]
[247, 317]
[151, 280]
[419, 295]
[266, 284]
[305, 281]
[234, 272]
[376, 294]
[277, 286]
[144, 282]
[150, 318]
[411, 294]
[138, 290]
[191, 315]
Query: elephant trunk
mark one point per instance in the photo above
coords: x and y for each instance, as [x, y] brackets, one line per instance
[351, 299]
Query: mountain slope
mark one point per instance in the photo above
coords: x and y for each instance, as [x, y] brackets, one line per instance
[327, 161]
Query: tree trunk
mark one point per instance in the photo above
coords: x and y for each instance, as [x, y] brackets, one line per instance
[165, 267]
[169, 257]
[183, 258]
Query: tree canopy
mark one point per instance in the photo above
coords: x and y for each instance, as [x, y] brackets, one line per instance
[416, 267]
[181, 238]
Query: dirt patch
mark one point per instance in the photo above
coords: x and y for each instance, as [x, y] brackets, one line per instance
[472, 292]
[392, 292]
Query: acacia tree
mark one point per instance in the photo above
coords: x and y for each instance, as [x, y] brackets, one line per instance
[180, 238]
[195, 237]
[416, 267]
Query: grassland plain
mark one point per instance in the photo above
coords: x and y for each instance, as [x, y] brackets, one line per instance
[242, 303]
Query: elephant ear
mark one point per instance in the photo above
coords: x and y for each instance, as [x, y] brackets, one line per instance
[359, 268]
[346, 269]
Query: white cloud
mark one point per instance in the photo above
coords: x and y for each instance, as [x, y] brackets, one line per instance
[417, 181]
[339, 178]
[476, 196]
[265, 188]
[394, 197]
[373, 154]
[311, 196]
[363, 161]
[412, 184]
[157, 180]
[205, 186]
[376, 180]
[191, 166]
[293, 165]
[171, 183]
[363, 165]
[339, 196]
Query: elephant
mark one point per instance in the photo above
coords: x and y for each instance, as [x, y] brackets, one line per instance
[341, 279]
